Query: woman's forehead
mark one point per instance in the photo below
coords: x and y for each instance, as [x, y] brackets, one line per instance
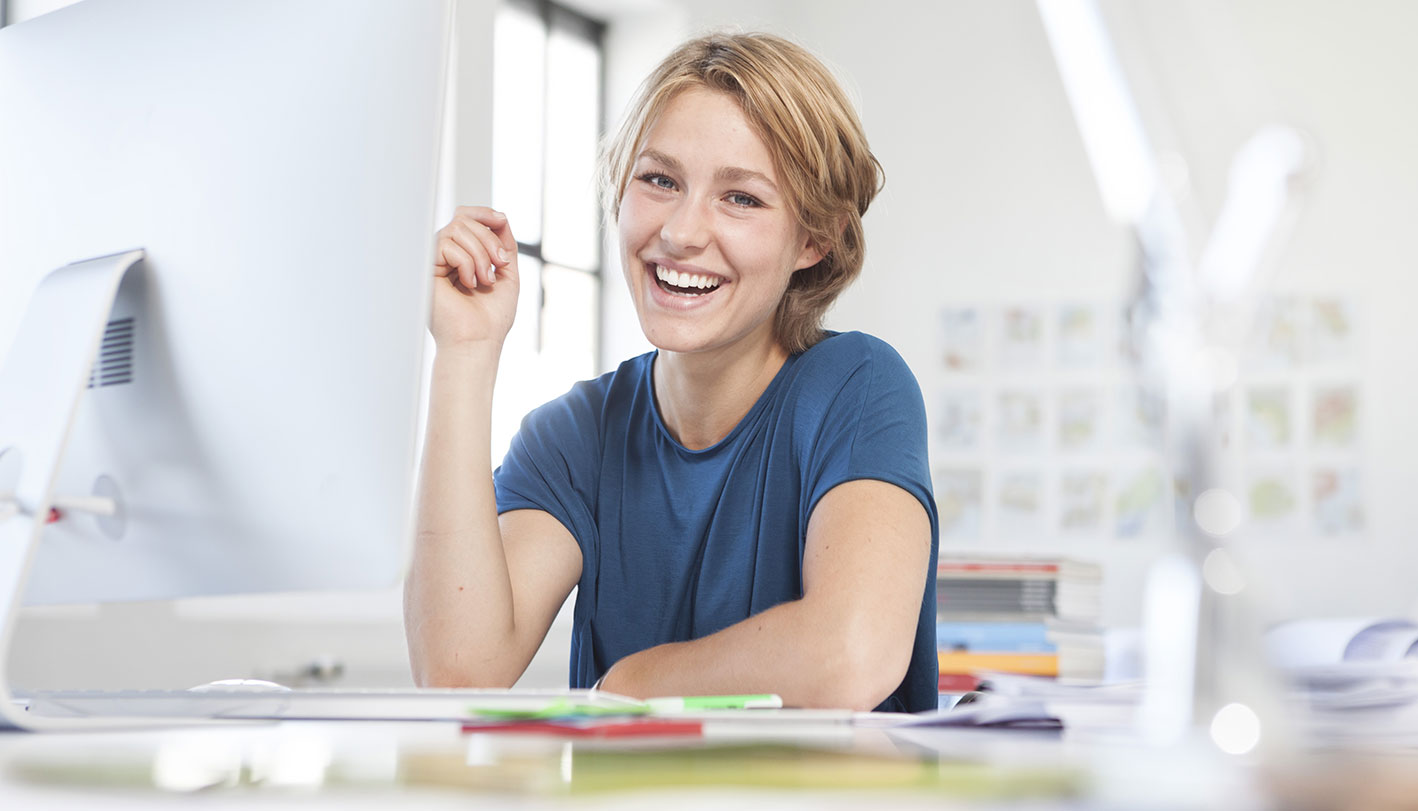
[702, 125]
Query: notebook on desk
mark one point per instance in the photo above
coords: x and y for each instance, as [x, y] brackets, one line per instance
[450, 704]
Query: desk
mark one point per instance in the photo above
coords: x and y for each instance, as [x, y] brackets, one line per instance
[436, 765]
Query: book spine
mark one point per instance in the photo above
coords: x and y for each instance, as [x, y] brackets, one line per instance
[995, 596]
[1028, 664]
[957, 682]
[997, 568]
[1016, 637]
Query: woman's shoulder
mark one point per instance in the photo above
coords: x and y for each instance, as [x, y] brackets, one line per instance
[842, 354]
[587, 400]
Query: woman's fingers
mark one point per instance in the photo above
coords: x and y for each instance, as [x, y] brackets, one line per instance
[482, 239]
[475, 244]
[494, 221]
[472, 250]
[463, 256]
[455, 262]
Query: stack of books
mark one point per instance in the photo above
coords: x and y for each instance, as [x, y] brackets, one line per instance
[1029, 616]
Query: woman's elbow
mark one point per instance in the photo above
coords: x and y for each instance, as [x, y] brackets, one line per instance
[871, 681]
[453, 674]
[861, 676]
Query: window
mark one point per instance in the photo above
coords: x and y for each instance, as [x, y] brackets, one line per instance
[546, 127]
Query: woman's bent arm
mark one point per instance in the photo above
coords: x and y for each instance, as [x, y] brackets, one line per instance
[481, 591]
[846, 643]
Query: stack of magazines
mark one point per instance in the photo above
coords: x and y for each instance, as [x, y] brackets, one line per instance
[1028, 616]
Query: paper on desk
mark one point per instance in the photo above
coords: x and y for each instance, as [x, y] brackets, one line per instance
[1313, 642]
[1031, 702]
[989, 711]
[1354, 681]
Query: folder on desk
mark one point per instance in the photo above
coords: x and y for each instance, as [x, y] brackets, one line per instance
[451, 704]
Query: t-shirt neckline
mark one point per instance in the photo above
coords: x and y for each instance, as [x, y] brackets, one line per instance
[648, 380]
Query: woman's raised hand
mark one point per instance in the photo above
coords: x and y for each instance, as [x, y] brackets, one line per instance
[475, 279]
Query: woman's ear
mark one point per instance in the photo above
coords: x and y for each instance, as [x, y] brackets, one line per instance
[813, 253]
[810, 255]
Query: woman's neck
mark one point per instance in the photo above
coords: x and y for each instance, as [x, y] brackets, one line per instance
[703, 395]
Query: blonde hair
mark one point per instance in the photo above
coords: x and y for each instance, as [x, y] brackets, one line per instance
[819, 151]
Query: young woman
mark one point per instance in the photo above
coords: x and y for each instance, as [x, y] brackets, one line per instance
[748, 508]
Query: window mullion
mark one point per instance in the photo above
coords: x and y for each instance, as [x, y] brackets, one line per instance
[544, 8]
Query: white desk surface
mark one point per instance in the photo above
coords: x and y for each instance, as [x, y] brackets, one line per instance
[436, 765]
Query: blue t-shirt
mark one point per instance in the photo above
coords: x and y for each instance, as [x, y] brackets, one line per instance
[677, 544]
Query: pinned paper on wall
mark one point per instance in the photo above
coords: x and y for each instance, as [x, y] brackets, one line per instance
[961, 419]
[1333, 331]
[962, 339]
[1021, 421]
[1277, 338]
[1273, 501]
[1081, 420]
[1021, 504]
[1141, 418]
[1336, 416]
[1082, 342]
[1338, 505]
[1082, 501]
[1141, 508]
[1268, 418]
[1021, 337]
[1032, 391]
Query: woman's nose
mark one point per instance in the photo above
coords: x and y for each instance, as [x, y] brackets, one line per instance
[686, 228]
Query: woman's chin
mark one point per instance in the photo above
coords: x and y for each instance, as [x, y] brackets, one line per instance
[675, 338]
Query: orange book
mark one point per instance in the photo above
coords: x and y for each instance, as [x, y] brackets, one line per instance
[1028, 664]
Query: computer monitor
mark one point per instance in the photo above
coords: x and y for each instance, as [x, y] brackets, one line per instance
[254, 410]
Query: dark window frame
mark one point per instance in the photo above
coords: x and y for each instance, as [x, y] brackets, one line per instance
[553, 14]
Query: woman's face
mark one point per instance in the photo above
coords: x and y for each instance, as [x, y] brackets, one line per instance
[707, 236]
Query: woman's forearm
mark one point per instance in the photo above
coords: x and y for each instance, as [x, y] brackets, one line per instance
[795, 650]
[458, 594]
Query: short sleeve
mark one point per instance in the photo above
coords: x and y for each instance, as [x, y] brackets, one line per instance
[872, 424]
[553, 461]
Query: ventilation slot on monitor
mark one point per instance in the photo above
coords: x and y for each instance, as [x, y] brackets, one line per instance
[115, 357]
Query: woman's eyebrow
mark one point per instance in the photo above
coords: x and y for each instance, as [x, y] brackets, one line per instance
[736, 174]
[663, 159]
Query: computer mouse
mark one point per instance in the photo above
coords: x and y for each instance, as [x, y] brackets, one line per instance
[240, 686]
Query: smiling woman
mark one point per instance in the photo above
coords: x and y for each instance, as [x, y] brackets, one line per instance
[708, 242]
[810, 135]
[748, 508]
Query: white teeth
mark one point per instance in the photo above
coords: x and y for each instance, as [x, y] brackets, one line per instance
[675, 278]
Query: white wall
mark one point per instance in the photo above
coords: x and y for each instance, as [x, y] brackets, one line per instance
[1339, 73]
[989, 198]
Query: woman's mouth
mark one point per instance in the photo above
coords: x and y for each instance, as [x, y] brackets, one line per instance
[682, 283]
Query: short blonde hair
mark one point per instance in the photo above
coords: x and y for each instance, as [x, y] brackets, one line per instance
[819, 151]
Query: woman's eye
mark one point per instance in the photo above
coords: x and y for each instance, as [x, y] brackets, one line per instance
[658, 181]
[740, 199]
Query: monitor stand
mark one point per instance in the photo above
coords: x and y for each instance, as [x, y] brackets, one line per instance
[42, 382]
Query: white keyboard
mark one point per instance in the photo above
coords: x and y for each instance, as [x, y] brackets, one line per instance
[308, 703]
